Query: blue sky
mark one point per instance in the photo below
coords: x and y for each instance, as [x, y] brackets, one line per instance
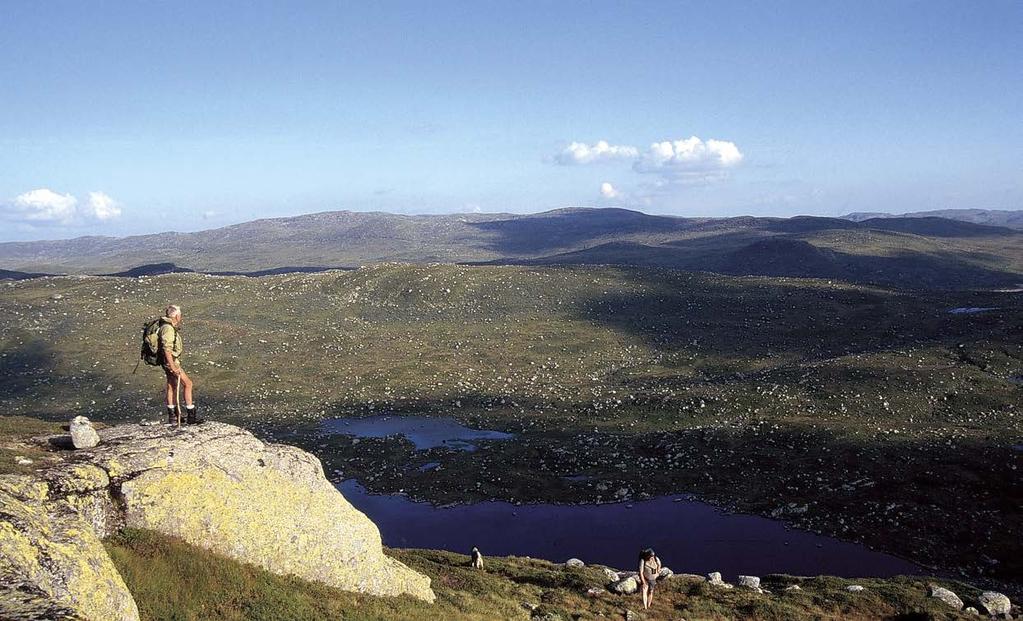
[136, 117]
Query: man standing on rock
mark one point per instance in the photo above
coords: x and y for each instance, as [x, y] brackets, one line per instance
[171, 348]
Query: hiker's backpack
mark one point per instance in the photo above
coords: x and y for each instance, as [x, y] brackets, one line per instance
[151, 342]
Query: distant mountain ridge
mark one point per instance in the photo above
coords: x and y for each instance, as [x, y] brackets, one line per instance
[911, 251]
[990, 217]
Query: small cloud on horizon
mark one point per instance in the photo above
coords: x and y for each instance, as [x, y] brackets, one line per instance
[601, 151]
[45, 207]
[692, 155]
[608, 191]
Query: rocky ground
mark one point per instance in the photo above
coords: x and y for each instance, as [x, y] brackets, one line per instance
[872, 414]
[158, 570]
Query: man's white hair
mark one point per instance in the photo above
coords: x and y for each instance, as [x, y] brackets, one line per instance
[172, 310]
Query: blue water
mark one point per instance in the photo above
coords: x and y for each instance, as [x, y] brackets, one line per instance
[688, 536]
[970, 310]
[423, 431]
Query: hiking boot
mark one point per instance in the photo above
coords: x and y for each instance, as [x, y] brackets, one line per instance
[192, 418]
[172, 417]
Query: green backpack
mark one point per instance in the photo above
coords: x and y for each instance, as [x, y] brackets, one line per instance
[151, 343]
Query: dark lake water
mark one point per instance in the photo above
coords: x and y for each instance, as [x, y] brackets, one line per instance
[689, 536]
[423, 431]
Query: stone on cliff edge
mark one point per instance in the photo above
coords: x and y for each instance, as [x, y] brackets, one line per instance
[83, 435]
[218, 487]
[52, 565]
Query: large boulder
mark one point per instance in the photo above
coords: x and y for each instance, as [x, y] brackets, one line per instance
[218, 487]
[52, 564]
[625, 586]
[946, 596]
[994, 603]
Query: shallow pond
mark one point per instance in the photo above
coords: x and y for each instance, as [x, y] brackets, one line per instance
[689, 536]
[424, 432]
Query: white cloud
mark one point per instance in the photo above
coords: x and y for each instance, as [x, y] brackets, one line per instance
[608, 191]
[46, 207]
[601, 151]
[689, 157]
[102, 207]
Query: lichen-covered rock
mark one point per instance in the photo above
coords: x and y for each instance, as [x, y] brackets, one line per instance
[83, 435]
[946, 596]
[219, 487]
[52, 565]
[749, 582]
[574, 562]
[994, 603]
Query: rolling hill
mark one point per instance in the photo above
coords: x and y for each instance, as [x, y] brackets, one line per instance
[928, 252]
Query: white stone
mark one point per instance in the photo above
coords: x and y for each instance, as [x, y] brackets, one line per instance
[83, 435]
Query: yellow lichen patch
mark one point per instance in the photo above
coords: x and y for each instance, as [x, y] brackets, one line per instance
[60, 555]
[261, 516]
[79, 478]
[24, 487]
[114, 468]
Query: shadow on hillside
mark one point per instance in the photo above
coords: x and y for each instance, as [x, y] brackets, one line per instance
[746, 254]
[724, 316]
[30, 366]
[568, 229]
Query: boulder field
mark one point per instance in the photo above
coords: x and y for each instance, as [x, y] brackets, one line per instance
[213, 485]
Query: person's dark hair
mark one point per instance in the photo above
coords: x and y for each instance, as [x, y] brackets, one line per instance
[646, 554]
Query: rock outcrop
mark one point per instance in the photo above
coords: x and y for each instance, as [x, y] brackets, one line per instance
[213, 485]
[52, 564]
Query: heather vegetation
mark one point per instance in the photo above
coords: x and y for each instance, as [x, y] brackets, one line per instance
[869, 413]
[162, 573]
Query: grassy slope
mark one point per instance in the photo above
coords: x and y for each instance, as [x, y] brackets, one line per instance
[173, 580]
[870, 405]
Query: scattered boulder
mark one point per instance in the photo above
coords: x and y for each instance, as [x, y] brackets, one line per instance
[574, 562]
[994, 603]
[665, 573]
[83, 434]
[714, 577]
[632, 616]
[595, 592]
[749, 582]
[625, 586]
[970, 610]
[610, 574]
[854, 588]
[946, 596]
[793, 587]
